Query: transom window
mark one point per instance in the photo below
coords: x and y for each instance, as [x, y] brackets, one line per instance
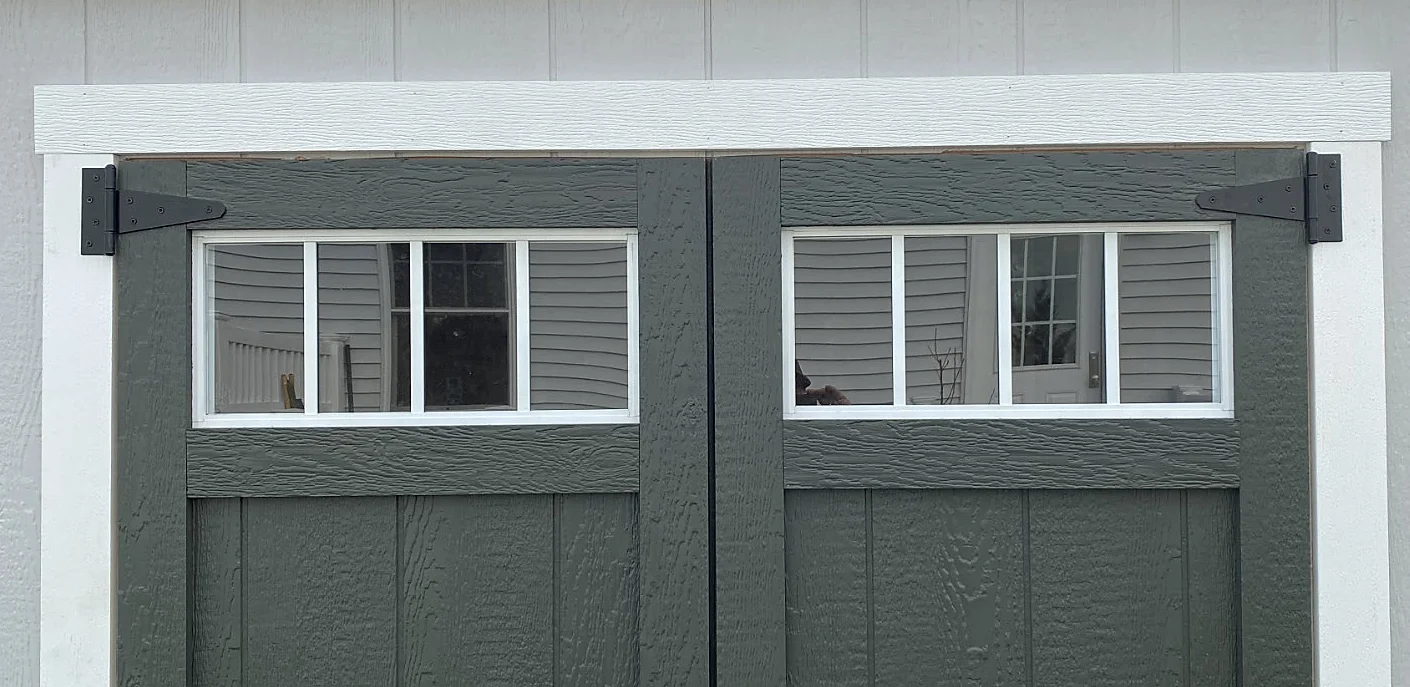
[451, 327]
[1129, 320]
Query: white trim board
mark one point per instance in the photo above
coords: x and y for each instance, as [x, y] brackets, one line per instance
[776, 114]
[1347, 341]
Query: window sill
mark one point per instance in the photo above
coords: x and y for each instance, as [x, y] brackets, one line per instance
[431, 419]
[1093, 411]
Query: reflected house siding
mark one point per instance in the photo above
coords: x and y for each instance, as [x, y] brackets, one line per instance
[352, 307]
[842, 315]
[1166, 323]
[937, 297]
[578, 326]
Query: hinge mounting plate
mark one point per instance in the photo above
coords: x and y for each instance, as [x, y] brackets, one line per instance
[1314, 199]
[108, 211]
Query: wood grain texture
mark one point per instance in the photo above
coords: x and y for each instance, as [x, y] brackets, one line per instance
[135, 41]
[1211, 586]
[675, 435]
[950, 587]
[629, 39]
[472, 40]
[476, 597]
[1103, 36]
[828, 587]
[317, 40]
[596, 591]
[1035, 187]
[1011, 454]
[1270, 378]
[217, 587]
[786, 39]
[372, 461]
[723, 115]
[748, 432]
[1108, 601]
[427, 194]
[320, 592]
[152, 393]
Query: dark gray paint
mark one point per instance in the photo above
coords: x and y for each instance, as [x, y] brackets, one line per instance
[390, 461]
[598, 591]
[217, 592]
[1154, 597]
[1270, 378]
[152, 393]
[675, 441]
[1011, 454]
[749, 532]
[418, 193]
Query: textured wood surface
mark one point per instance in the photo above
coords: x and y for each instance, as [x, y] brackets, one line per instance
[152, 397]
[950, 588]
[1107, 590]
[1270, 378]
[372, 461]
[1211, 583]
[425, 193]
[217, 592]
[748, 435]
[828, 590]
[320, 592]
[1011, 454]
[597, 591]
[675, 439]
[1040, 187]
[476, 587]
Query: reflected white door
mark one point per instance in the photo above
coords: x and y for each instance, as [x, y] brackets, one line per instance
[1056, 305]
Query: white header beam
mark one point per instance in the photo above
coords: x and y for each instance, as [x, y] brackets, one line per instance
[719, 116]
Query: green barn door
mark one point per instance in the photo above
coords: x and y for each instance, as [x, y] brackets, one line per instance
[261, 544]
[926, 471]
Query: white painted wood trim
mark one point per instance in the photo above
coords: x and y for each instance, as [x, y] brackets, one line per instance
[899, 382]
[744, 115]
[416, 312]
[523, 382]
[76, 592]
[1111, 318]
[311, 380]
[1004, 278]
[1348, 382]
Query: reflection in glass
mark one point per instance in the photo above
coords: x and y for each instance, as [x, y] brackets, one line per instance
[577, 325]
[1056, 318]
[254, 293]
[363, 327]
[1167, 318]
[468, 326]
[842, 321]
[951, 346]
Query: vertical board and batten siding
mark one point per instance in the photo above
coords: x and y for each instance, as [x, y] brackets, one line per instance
[66, 41]
[419, 556]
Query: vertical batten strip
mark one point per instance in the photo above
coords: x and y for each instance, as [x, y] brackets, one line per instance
[521, 326]
[898, 319]
[633, 329]
[1111, 320]
[310, 328]
[418, 326]
[1004, 317]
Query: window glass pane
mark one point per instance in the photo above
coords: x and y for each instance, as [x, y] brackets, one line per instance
[364, 353]
[1056, 335]
[577, 325]
[1168, 330]
[842, 318]
[469, 326]
[255, 329]
[951, 301]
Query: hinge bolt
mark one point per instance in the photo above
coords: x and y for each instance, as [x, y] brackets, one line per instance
[209, 209]
[1333, 208]
[161, 210]
[129, 201]
[1260, 199]
[88, 199]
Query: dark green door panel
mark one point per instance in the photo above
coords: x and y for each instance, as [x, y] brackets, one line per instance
[552, 555]
[1022, 552]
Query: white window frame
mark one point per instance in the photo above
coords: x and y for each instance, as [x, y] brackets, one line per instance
[202, 392]
[1111, 408]
[1347, 113]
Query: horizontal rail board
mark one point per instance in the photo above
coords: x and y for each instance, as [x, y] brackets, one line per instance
[390, 461]
[1011, 454]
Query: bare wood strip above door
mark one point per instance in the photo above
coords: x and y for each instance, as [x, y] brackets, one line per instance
[1074, 454]
[384, 461]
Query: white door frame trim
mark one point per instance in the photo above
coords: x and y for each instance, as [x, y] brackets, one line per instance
[1346, 113]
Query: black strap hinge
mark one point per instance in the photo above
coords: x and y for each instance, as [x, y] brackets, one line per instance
[108, 211]
[1314, 199]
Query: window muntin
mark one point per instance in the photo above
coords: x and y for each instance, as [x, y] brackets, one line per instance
[445, 331]
[1065, 293]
